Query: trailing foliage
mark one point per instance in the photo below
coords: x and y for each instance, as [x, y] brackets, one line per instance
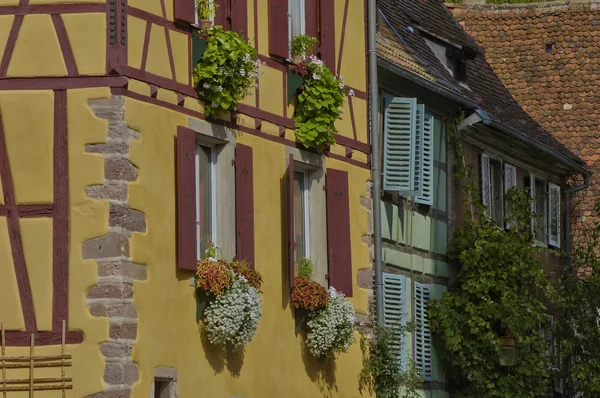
[500, 290]
[382, 371]
[579, 334]
[319, 105]
[227, 70]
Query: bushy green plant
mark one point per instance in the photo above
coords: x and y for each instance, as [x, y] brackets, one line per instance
[206, 9]
[305, 268]
[319, 106]
[382, 371]
[500, 289]
[227, 70]
[303, 44]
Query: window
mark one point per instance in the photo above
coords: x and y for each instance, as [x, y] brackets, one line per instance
[496, 209]
[206, 197]
[301, 215]
[539, 209]
[196, 20]
[165, 383]
[296, 18]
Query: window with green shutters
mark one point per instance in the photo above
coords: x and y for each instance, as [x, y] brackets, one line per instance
[422, 333]
[408, 149]
[394, 313]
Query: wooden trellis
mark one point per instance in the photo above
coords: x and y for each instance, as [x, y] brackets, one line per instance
[32, 362]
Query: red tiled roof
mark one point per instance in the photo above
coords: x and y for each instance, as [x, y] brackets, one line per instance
[548, 55]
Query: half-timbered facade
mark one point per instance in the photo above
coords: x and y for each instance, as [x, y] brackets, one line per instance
[112, 182]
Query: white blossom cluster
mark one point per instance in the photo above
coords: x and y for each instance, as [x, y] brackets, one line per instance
[232, 318]
[331, 329]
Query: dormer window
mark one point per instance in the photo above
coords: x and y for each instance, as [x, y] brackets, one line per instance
[457, 63]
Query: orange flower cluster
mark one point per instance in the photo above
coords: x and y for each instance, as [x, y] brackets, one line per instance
[241, 268]
[213, 276]
[309, 294]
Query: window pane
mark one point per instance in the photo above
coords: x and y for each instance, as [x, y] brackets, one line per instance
[296, 10]
[204, 197]
[496, 192]
[299, 216]
[540, 216]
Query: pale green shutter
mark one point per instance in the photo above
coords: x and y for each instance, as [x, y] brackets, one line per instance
[486, 194]
[399, 166]
[554, 216]
[394, 314]
[426, 197]
[510, 180]
[422, 334]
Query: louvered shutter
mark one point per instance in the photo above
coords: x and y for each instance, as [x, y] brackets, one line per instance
[244, 204]
[239, 17]
[290, 219]
[327, 39]
[510, 181]
[554, 215]
[394, 314]
[399, 168]
[422, 332]
[278, 28]
[486, 194]
[186, 199]
[426, 179]
[338, 232]
[185, 10]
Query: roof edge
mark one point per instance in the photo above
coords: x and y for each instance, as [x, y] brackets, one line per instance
[538, 7]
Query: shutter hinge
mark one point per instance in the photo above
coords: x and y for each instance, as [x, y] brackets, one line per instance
[233, 162]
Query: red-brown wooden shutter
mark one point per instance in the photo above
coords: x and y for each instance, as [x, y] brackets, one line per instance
[290, 209]
[278, 28]
[338, 231]
[244, 204]
[239, 17]
[327, 22]
[222, 14]
[186, 198]
[312, 18]
[185, 10]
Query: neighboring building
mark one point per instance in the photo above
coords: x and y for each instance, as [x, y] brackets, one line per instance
[547, 56]
[429, 69]
[100, 128]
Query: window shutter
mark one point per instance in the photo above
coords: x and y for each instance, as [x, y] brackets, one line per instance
[486, 194]
[186, 198]
[327, 22]
[278, 28]
[422, 332]
[239, 17]
[338, 231]
[394, 315]
[222, 14]
[554, 215]
[311, 18]
[426, 180]
[244, 204]
[510, 180]
[400, 116]
[185, 10]
[290, 217]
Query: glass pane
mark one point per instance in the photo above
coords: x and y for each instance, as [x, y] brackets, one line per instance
[296, 10]
[299, 216]
[540, 203]
[496, 191]
[204, 198]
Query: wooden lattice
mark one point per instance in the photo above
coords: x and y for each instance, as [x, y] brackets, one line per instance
[32, 362]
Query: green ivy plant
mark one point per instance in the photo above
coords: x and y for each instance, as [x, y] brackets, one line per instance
[382, 371]
[227, 70]
[319, 104]
[501, 289]
[579, 332]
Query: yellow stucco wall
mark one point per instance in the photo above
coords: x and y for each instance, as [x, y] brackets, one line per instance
[89, 50]
[168, 334]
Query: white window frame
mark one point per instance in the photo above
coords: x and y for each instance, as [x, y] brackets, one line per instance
[213, 195]
[532, 182]
[300, 168]
[302, 6]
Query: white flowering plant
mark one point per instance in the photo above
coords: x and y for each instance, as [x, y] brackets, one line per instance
[331, 329]
[320, 103]
[228, 69]
[235, 307]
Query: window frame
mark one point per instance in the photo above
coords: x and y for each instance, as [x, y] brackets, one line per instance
[301, 169]
[500, 168]
[532, 187]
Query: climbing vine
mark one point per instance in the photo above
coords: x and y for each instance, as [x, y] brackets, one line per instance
[500, 290]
